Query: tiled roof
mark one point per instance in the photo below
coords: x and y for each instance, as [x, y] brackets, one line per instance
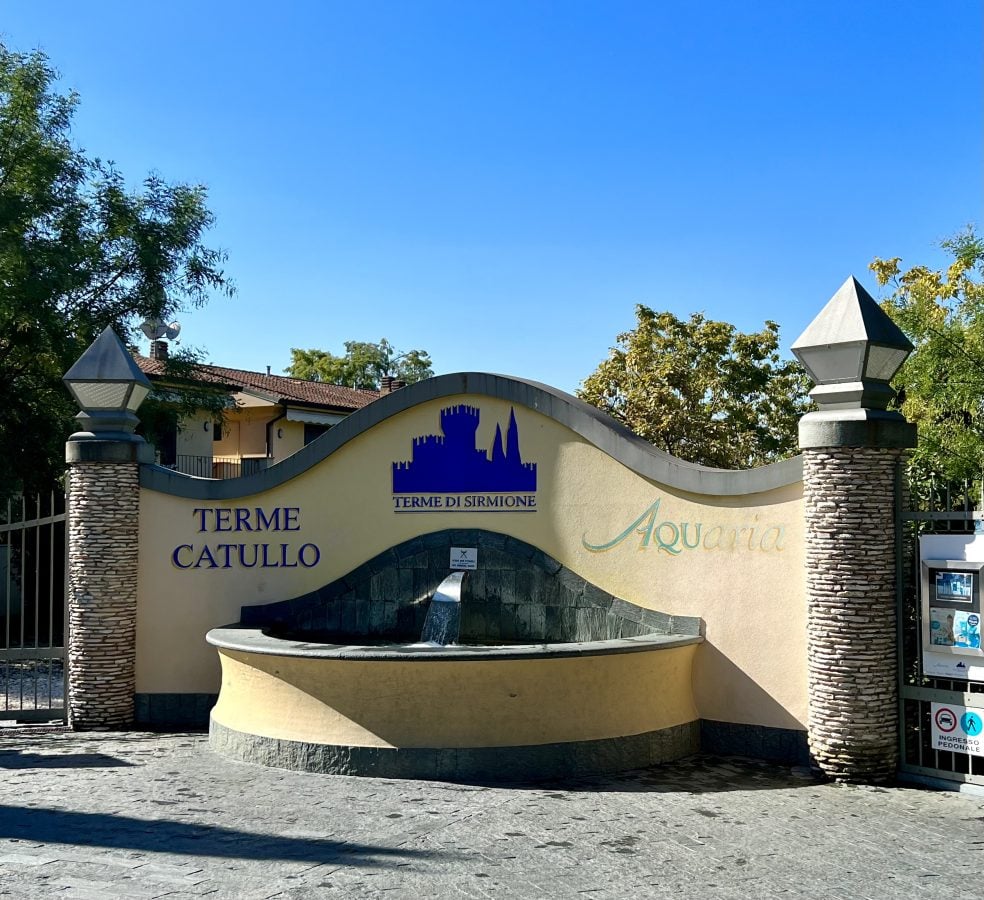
[154, 368]
[279, 388]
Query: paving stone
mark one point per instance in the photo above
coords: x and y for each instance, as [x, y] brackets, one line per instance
[154, 815]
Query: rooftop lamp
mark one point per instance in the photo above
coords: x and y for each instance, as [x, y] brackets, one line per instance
[851, 350]
[108, 386]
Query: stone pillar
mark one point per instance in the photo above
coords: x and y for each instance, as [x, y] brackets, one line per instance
[852, 447]
[850, 557]
[103, 510]
[103, 526]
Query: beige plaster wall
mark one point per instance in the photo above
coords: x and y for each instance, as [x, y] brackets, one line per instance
[193, 439]
[469, 703]
[749, 591]
[244, 400]
[229, 445]
[252, 430]
[244, 430]
[291, 442]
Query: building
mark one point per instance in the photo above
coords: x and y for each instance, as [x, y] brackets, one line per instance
[268, 417]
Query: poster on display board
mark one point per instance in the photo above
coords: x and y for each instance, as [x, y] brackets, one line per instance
[954, 628]
[951, 591]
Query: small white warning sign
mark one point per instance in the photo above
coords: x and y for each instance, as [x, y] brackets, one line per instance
[464, 558]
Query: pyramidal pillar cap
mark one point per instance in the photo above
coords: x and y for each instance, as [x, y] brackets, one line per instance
[108, 386]
[851, 350]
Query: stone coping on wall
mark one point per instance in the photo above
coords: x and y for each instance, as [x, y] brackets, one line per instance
[256, 640]
[587, 421]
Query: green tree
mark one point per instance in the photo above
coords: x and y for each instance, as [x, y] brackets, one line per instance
[362, 366]
[702, 390]
[78, 251]
[941, 385]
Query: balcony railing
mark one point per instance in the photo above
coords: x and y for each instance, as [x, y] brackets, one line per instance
[218, 466]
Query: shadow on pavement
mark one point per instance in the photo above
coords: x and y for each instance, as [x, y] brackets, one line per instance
[17, 759]
[165, 836]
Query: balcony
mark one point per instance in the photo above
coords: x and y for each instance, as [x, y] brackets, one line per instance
[218, 466]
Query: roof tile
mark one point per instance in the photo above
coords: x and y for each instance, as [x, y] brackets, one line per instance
[281, 388]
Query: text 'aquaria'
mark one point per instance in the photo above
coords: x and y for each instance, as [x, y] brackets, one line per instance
[676, 537]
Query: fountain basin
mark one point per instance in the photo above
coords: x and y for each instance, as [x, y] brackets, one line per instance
[488, 713]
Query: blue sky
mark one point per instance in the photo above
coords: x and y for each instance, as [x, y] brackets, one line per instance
[500, 183]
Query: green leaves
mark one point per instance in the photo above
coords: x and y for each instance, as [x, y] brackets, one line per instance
[702, 390]
[941, 385]
[78, 252]
[362, 366]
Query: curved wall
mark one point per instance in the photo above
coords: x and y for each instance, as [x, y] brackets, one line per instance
[510, 717]
[725, 547]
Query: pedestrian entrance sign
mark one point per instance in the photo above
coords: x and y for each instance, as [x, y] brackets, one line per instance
[957, 728]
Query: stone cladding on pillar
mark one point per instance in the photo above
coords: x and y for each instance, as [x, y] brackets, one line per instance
[104, 500]
[852, 447]
[850, 555]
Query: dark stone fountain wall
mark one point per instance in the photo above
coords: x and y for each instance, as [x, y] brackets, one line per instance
[517, 593]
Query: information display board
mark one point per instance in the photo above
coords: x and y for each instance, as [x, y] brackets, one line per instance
[950, 570]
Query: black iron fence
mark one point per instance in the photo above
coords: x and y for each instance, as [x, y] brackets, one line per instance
[32, 608]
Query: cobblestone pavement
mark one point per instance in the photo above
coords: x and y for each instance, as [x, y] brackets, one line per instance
[148, 815]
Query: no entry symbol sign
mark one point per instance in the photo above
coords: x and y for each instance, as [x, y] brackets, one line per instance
[957, 729]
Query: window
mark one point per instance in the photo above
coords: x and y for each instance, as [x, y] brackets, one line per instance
[311, 432]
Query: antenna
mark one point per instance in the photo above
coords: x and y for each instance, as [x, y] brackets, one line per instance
[155, 329]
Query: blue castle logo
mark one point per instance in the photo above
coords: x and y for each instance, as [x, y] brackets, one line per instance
[451, 463]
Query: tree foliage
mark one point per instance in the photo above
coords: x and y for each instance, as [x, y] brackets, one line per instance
[78, 251]
[702, 390]
[362, 366]
[941, 385]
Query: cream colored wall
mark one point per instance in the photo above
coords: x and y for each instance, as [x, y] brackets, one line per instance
[243, 400]
[252, 431]
[495, 704]
[229, 445]
[244, 431]
[291, 442]
[193, 439]
[751, 669]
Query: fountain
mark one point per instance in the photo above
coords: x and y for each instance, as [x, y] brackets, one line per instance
[521, 671]
[443, 623]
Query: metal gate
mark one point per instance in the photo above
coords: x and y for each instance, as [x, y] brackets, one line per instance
[32, 608]
[945, 509]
